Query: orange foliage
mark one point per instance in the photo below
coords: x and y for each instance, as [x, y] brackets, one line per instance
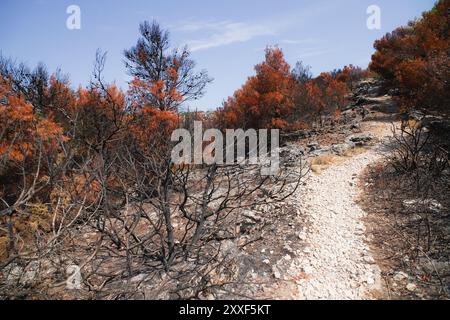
[153, 127]
[335, 91]
[415, 60]
[351, 74]
[274, 99]
[315, 96]
[322, 96]
[265, 100]
[22, 130]
[99, 116]
[161, 94]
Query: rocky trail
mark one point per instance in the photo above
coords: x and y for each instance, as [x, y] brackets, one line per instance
[335, 262]
[325, 251]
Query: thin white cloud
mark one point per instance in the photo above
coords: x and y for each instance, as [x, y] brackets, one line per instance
[194, 26]
[297, 42]
[221, 33]
[312, 52]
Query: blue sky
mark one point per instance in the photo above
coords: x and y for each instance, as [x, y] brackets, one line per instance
[226, 37]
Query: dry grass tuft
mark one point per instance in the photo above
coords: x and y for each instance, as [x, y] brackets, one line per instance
[324, 160]
[354, 152]
[321, 163]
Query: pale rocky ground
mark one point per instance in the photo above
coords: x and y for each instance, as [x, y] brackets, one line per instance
[338, 258]
[336, 262]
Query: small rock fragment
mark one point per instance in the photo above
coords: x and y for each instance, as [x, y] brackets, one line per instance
[411, 287]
